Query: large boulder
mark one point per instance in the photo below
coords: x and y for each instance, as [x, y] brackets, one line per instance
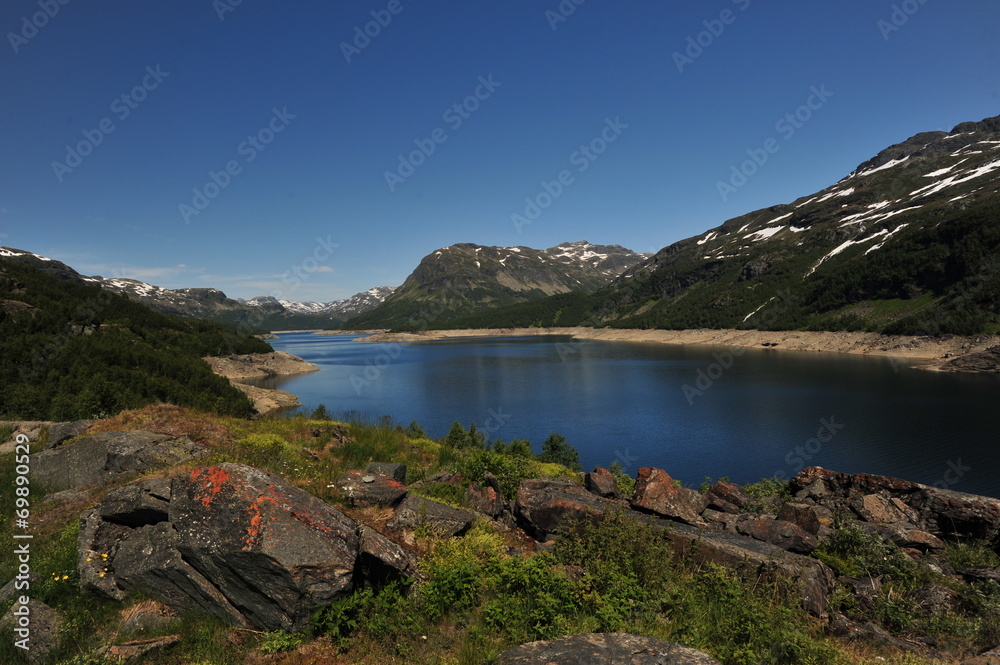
[381, 560]
[106, 457]
[543, 505]
[656, 492]
[441, 519]
[60, 432]
[616, 648]
[727, 497]
[230, 541]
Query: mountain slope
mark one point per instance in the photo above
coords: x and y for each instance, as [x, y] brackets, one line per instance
[70, 350]
[904, 244]
[209, 304]
[461, 279]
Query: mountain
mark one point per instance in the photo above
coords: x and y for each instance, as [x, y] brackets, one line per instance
[908, 243]
[72, 350]
[211, 304]
[462, 279]
[338, 310]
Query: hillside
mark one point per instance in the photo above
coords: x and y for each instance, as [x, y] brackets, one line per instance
[462, 279]
[905, 244]
[71, 350]
[264, 312]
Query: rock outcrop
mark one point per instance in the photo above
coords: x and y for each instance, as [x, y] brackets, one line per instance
[616, 648]
[656, 492]
[233, 542]
[100, 459]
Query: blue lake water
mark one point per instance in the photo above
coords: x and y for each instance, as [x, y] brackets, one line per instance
[769, 413]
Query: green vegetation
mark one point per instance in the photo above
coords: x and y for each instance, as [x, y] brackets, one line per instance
[70, 351]
[487, 591]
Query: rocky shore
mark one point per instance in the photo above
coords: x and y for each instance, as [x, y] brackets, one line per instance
[255, 366]
[946, 353]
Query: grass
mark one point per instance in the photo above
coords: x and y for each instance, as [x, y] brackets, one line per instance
[486, 591]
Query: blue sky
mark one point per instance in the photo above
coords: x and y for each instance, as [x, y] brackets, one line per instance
[265, 90]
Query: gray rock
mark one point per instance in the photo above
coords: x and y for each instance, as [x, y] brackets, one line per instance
[97, 543]
[395, 471]
[444, 520]
[139, 503]
[362, 490]
[104, 458]
[380, 560]
[62, 431]
[543, 505]
[42, 633]
[617, 648]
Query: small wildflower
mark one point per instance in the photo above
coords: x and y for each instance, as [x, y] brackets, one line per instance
[100, 574]
[89, 559]
[65, 577]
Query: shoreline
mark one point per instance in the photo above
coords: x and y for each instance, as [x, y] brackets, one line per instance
[932, 353]
[253, 366]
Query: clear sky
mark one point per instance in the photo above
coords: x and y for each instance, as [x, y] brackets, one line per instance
[113, 113]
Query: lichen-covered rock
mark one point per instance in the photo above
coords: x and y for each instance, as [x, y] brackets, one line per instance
[42, 632]
[416, 511]
[104, 458]
[60, 432]
[485, 500]
[806, 517]
[616, 648]
[229, 541]
[363, 489]
[785, 535]
[395, 471]
[602, 482]
[656, 492]
[543, 505]
[724, 494]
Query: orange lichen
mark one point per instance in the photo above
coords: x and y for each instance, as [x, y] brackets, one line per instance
[213, 482]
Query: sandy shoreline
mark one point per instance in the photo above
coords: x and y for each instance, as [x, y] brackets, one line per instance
[240, 368]
[932, 352]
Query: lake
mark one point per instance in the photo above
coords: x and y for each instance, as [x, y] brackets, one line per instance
[694, 411]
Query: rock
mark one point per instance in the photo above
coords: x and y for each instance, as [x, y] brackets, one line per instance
[754, 560]
[485, 500]
[656, 492]
[104, 458]
[905, 536]
[940, 512]
[147, 616]
[936, 599]
[380, 560]
[602, 483]
[866, 633]
[444, 520]
[980, 574]
[97, 543]
[140, 648]
[878, 509]
[42, 633]
[730, 493]
[362, 490]
[9, 591]
[238, 543]
[62, 431]
[543, 505]
[395, 471]
[725, 521]
[786, 535]
[138, 504]
[617, 648]
[991, 657]
[804, 516]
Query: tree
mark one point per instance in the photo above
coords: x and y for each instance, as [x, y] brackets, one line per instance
[556, 450]
[320, 413]
[476, 438]
[457, 437]
[415, 431]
